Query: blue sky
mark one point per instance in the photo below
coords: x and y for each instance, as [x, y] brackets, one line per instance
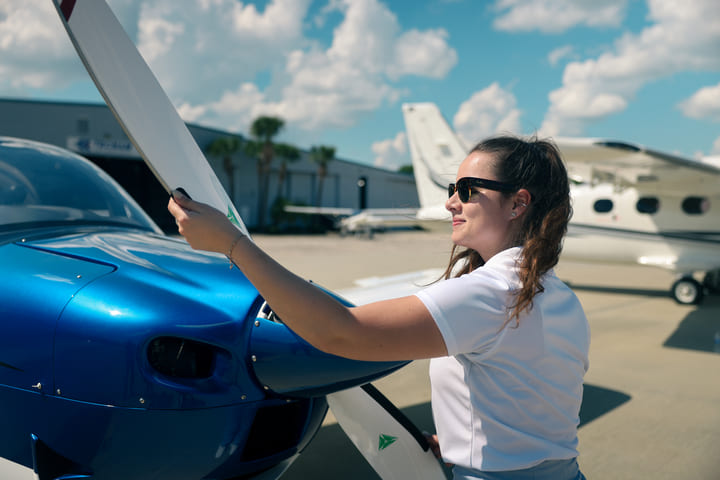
[338, 71]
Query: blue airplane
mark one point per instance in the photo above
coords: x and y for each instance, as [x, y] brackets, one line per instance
[125, 354]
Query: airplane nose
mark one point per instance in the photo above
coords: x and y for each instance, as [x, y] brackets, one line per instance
[284, 363]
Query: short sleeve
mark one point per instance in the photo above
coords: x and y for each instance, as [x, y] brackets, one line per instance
[470, 310]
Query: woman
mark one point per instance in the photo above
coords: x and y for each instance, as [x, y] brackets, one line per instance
[509, 341]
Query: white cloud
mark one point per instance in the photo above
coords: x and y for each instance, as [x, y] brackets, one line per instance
[191, 113]
[554, 16]
[365, 36]
[716, 147]
[35, 52]
[199, 50]
[212, 64]
[422, 53]
[209, 54]
[196, 49]
[391, 153]
[354, 76]
[235, 110]
[560, 53]
[323, 91]
[157, 36]
[488, 112]
[682, 37]
[703, 104]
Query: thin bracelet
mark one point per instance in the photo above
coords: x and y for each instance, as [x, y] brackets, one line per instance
[232, 247]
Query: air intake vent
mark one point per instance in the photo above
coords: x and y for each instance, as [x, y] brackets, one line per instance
[181, 358]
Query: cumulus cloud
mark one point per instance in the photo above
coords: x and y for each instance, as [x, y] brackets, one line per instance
[34, 49]
[703, 104]
[311, 86]
[200, 50]
[554, 16]
[210, 54]
[422, 53]
[391, 153]
[334, 87]
[560, 53]
[489, 111]
[679, 39]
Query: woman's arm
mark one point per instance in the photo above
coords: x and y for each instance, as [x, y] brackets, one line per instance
[398, 329]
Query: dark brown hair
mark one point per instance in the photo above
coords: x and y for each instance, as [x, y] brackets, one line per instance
[536, 166]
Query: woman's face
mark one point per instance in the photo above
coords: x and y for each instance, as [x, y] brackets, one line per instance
[484, 223]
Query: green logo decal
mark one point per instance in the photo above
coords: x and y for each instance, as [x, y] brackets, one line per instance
[386, 441]
[232, 216]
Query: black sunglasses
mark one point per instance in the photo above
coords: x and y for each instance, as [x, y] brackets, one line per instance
[464, 185]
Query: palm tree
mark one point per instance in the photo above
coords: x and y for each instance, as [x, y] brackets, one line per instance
[226, 147]
[287, 154]
[322, 155]
[264, 129]
[406, 169]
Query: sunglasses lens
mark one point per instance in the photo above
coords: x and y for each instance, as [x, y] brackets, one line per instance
[462, 189]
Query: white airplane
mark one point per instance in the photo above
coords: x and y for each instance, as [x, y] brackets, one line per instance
[436, 153]
[366, 221]
[630, 204]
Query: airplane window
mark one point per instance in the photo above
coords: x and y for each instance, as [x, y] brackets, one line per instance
[695, 205]
[648, 205]
[603, 205]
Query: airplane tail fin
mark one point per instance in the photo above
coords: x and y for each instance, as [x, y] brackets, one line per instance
[435, 149]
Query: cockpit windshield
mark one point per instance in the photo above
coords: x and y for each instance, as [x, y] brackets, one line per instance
[41, 184]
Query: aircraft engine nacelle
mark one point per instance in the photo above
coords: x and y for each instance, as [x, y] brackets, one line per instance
[286, 364]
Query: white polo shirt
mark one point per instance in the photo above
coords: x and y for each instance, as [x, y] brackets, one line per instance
[507, 398]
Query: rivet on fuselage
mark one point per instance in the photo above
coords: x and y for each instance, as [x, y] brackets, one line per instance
[257, 323]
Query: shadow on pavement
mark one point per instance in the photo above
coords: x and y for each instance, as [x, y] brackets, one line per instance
[700, 329]
[597, 401]
[644, 292]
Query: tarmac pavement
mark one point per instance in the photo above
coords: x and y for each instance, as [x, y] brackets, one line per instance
[651, 407]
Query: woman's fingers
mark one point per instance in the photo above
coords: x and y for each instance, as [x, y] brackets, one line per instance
[204, 227]
[180, 198]
[434, 444]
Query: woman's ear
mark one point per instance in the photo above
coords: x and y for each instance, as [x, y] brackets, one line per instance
[521, 202]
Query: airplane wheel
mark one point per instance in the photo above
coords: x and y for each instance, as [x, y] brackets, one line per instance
[687, 291]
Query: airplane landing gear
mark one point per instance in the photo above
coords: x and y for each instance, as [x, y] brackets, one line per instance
[712, 281]
[687, 291]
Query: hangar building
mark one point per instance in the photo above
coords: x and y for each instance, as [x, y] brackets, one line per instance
[92, 131]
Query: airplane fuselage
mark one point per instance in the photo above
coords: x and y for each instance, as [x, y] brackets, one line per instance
[675, 232]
